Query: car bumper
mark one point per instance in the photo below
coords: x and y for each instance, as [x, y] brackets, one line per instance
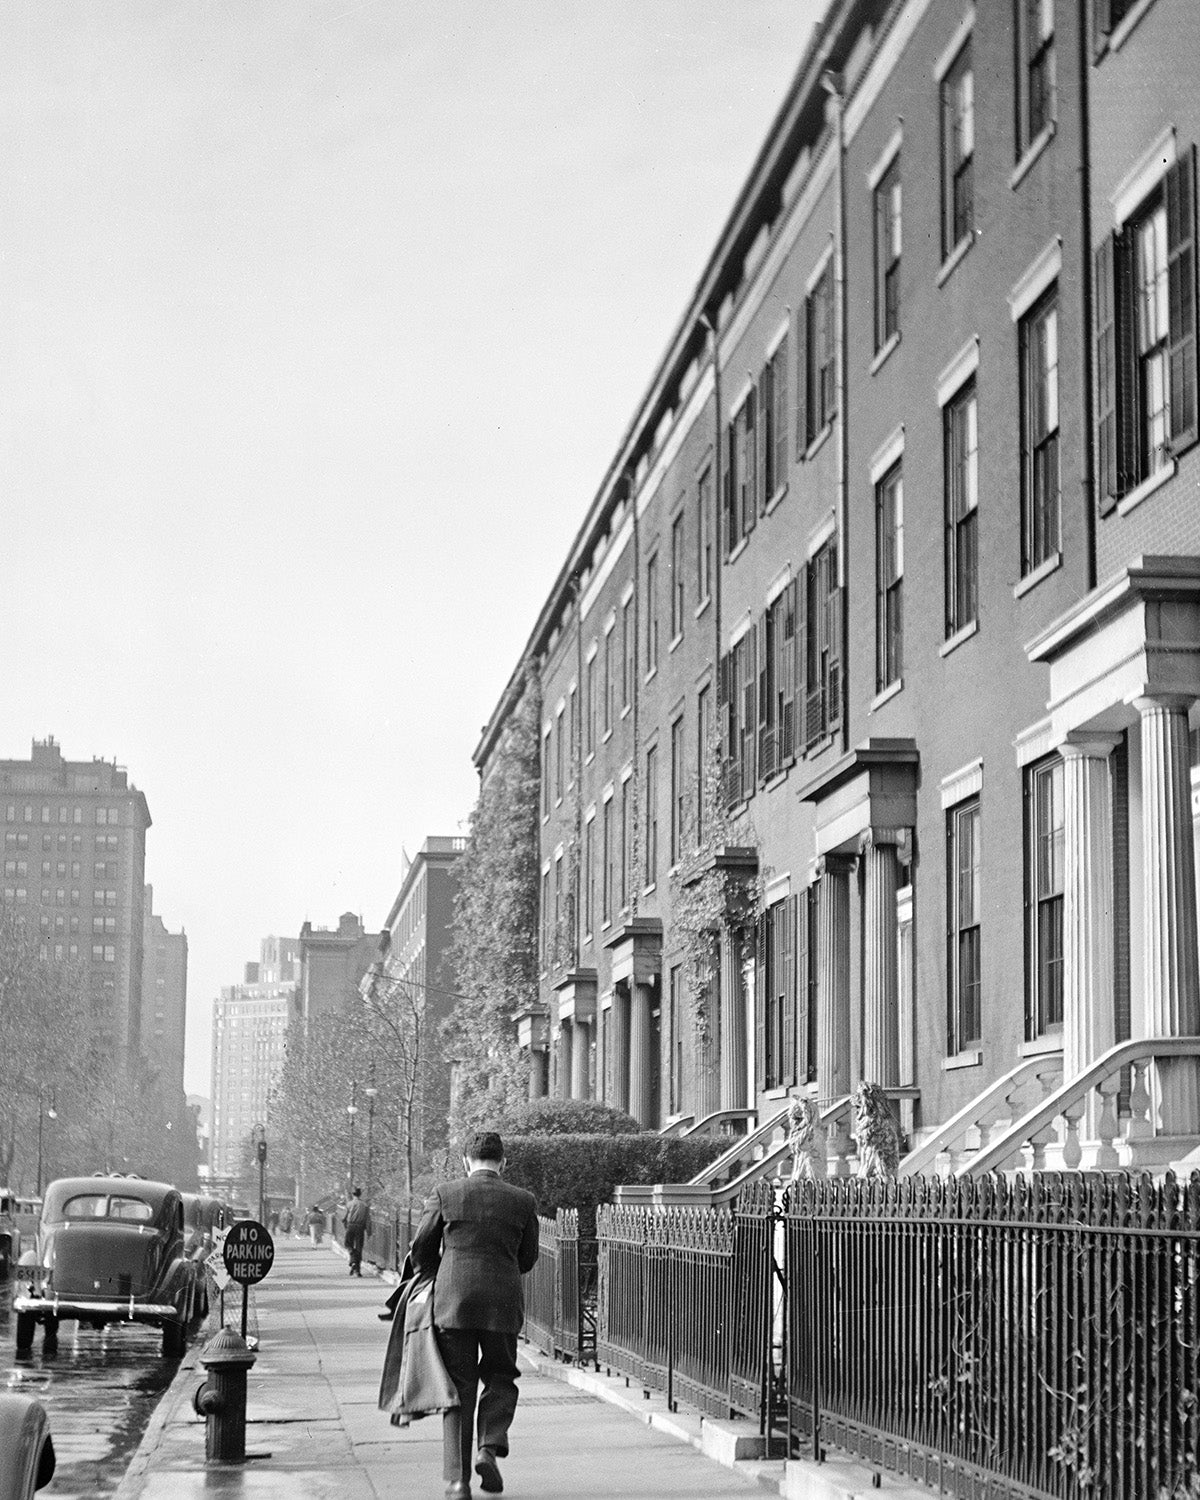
[123, 1310]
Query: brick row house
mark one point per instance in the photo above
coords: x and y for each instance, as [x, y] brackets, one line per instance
[870, 680]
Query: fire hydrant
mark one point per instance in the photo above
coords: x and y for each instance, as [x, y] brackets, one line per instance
[222, 1397]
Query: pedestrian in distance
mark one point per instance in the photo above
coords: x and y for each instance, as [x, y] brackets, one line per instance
[316, 1224]
[358, 1216]
[285, 1219]
[479, 1234]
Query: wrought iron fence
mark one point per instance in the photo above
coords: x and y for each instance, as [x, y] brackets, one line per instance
[539, 1288]
[1028, 1337]
[684, 1301]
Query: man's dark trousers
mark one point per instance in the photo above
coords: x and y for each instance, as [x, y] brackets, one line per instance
[473, 1356]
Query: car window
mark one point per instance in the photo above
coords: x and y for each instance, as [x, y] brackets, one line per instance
[130, 1208]
[100, 1206]
[85, 1206]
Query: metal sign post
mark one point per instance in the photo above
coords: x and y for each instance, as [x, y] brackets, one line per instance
[248, 1253]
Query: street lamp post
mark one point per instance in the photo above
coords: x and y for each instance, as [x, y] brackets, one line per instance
[352, 1110]
[44, 1114]
[370, 1092]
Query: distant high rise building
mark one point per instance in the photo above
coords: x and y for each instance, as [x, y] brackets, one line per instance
[164, 997]
[74, 867]
[250, 1023]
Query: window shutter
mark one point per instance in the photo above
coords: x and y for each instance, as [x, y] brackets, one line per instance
[788, 990]
[1181, 297]
[779, 389]
[750, 462]
[833, 637]
[1129, 435]
[725, 725]
[1105, 302]
[760, 1001]
[788, 667]
[729, 485]
[766, 439]
[802, 378]
[800, 970]
[766, 735]
[749, 686]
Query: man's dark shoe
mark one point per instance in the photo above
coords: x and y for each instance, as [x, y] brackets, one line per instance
[458, 1489]
[489, 1472]
[385, 1316]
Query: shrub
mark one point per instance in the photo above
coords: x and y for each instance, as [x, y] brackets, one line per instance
[580, 1171]
[568, 1117]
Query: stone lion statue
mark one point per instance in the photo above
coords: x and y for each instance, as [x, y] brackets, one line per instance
[876, 1131]
[806, 1141]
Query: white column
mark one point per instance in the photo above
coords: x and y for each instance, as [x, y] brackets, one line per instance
[563, 1081]
[833, 977]
[580, 1057]
[1089, 1023]
[881, 997]
[1171, 976]
[733, 1022]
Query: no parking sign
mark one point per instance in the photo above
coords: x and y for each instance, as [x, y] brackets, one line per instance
[248, 1252]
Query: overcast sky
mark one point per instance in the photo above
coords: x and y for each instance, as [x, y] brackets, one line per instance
[320, 321]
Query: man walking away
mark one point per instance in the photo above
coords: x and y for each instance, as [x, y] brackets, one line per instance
[484, 1231]
[357, 1217]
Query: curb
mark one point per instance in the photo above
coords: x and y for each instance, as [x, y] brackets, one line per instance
[169, 1403]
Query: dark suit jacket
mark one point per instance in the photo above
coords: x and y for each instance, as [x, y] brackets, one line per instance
[485, 1232]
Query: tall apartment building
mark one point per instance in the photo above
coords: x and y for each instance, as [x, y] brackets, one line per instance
[164, 997]
[74, 866]
[906, 528]
[250, 1022]
[415, 973]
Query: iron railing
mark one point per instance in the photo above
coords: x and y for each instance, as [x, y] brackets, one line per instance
[1033, 1337]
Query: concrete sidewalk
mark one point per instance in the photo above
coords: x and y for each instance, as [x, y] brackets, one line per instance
[314, 1429]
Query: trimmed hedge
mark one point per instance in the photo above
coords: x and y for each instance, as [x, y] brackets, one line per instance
[580, 1171]
[568, 1117]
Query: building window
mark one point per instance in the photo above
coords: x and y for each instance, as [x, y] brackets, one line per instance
[889, 578]
[705, 750]
[819, 618]
[1044, 897]
[652, 613]
[963, 968]
[545, 923]
[589, 879]
[607, 856]
[677, 594]
[560, 752]
[741, 474]
[772, 436]
[1036, 77]
[572, 732]
[704, 532]
[887, 254]
[1146, 337]
[589, 706]
[820, 357]
[677, 791]
[1107, 15]
[628, 653]
[738, 689]
[651, 870]
[558, 936]
[675, 1040]
[606, 685]
[777, 695]
[627, 842]
[958, 152]
[775, 974]
[1040, 481]
[962, 504]
[546, 773]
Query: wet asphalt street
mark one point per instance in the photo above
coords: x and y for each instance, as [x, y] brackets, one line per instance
[99, 1391]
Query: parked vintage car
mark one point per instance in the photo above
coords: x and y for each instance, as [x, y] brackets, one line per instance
[109, 1250]
[18, 1225]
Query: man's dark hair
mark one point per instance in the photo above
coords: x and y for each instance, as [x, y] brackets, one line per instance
[484, 1145]
[358, 1192]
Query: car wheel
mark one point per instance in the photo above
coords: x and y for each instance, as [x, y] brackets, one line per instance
[26, 1323]
[174, 1340]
